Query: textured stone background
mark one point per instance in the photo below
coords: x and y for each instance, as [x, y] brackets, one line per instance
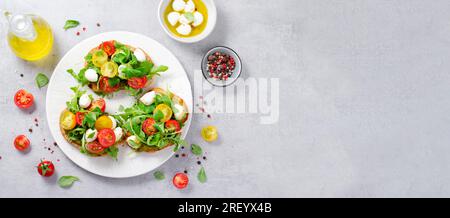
[364, 106]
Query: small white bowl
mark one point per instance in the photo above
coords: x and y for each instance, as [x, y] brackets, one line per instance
[236, 72]
[212, 17]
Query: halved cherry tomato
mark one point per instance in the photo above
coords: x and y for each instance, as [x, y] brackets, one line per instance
[99, 57]
[104, 86]
[100, 103]
[173, 125]
[79, 117]
[180, 180]
[95, 147]
[137, 82]
[147, 126]
[166, 110]
[67, 120]
[209, 133]
[46, 168]
[103, 122]
[21, 142]
[106, 137]
[108, 47]
[109, 69]
[23, 99]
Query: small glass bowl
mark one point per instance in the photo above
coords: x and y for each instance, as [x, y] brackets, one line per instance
[236, 72]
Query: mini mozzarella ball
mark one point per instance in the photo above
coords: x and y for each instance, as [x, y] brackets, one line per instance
[84, 101]
[119, 133]
[134, 139]
[178, 5]
[173, 18]
[198, 19]
[184, 29]
[120, 70]
[91, 75]
[114, 122]
[148, 98]
[140, 55]
[189, 7]
[184, 20]
[89, 132]
[180, 112]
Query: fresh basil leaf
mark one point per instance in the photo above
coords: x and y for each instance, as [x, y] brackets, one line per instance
[197, 150]
[71, 24]
[159, 175]
[41, 80]
[201, 176]
[189, 16]
[67, 181]
[79, 77]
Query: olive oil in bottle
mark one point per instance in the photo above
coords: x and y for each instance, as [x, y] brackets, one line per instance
[29, 36]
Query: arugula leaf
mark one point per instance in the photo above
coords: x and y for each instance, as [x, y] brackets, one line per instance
[41, 80]
[197, 150]
[112, 152]
[72, 105]
[80, 76]
[201, 176]
[113, 81]
[71, 24]
[76, 134]
[67, 181]
[158, 115]
[143, 69]
[159, 175]
[91, 117]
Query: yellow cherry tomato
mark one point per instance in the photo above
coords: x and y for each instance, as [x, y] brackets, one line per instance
[99, 57]
[209, 133]
[67, 120]
[109, 69]
[166, 110]
[103, 122]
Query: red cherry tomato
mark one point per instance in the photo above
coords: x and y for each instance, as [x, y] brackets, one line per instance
[173, 125]
[95, 147]
[180, 180]
[106, 137]
[108, 47]
[46, 168]
[21, 142]
[23, 99]
[79, 117]
[100, 103]
[147, 126]
[137, 82]
[105, 87]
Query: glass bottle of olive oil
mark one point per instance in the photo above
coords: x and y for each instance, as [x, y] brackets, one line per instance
[29, 36]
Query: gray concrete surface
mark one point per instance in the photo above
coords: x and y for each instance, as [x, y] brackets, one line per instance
[364, 105]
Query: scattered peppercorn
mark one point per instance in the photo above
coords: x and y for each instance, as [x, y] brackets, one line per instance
[21, 75]
[78, 33]
[199, 162]
[183, 155]
[84, 28]
[185, 171]
[209, 116]
[30, 130]
[204, 157]
[55, 144]
[98, 24]
[176, 155]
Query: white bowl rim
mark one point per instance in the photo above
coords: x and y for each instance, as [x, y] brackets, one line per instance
[211, 22]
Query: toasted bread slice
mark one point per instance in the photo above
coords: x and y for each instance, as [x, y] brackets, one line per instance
[94, 85]
[178, 100]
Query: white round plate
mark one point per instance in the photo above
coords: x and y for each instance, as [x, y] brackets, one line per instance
[129, 163]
